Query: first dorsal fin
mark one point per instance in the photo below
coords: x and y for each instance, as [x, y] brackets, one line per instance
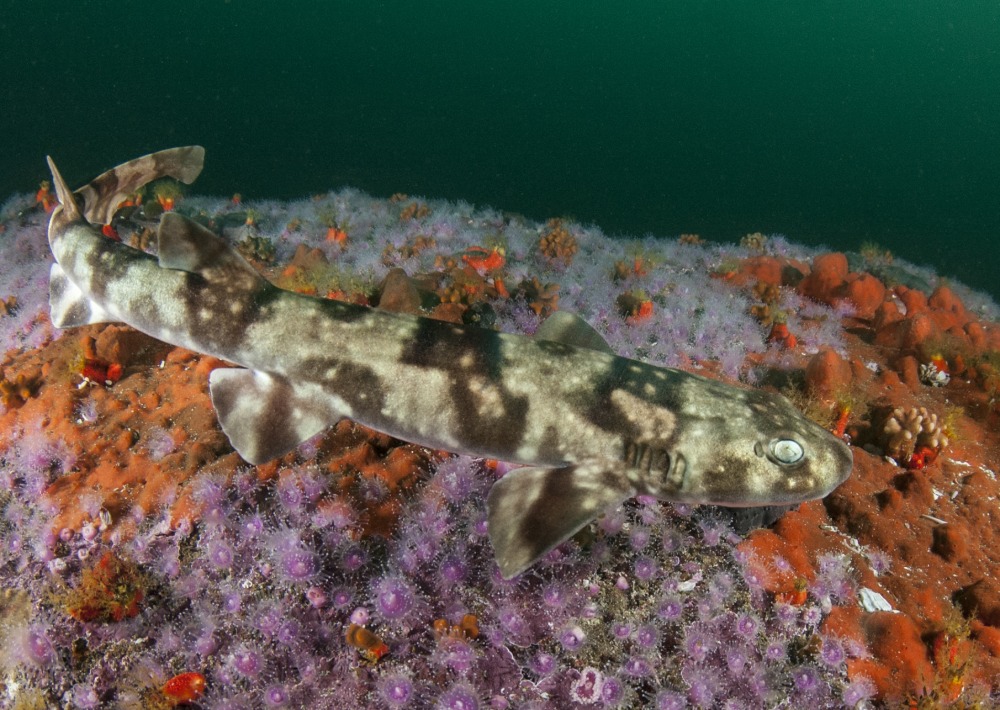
[185, 245]
[569, 329]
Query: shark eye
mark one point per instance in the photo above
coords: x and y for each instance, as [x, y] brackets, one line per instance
[786, 451]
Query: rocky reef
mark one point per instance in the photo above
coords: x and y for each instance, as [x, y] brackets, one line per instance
[144, 564]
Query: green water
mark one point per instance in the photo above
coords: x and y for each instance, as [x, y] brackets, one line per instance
[831, 122]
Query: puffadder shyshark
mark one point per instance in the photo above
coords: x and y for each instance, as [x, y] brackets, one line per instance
[593, 428]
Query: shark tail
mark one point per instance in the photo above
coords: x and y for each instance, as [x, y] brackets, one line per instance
[98, 200]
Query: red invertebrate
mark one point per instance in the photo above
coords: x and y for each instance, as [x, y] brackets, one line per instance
[184, 688]
[111, 590]
[337, 236]
[483, 260]
[106, 373]
[840, 426]
[467, 628]
[44, 196]
[370, 646]
[782, 336]
[920, 458]
[940, 363]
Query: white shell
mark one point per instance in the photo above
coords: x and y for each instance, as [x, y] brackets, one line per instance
[873, 601]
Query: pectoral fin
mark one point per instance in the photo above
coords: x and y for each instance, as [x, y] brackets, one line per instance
[266, 416]
[68, 306]
[531, 510]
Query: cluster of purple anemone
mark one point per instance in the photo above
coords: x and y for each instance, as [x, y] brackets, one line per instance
[652, 609]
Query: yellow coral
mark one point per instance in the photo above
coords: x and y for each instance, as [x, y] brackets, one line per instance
[414, 210]
[874, 255]
[8, 306]
[754, 242]
[907, 431]
[15, 392]
[542, 299]
[557, 245]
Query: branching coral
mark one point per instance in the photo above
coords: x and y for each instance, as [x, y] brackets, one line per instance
[110, 590]
[542, 299]
[557, 245]
[15, 392]
[913, 437]
[754, 242]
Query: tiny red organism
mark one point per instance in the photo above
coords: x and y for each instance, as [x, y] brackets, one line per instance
[635, 307]
[105, 373]
[940, 364]
[782, 336]
[111, 590]
[502, 291]
[920, 458]
[44, 196]
[467, 628]
[370, 646]
[184, 688]
[797, 596]
[336, 236]
[484, 260]
[840, 426]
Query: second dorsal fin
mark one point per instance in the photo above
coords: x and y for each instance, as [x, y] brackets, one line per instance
[570, 329]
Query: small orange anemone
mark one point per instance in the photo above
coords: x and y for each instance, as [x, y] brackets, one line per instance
[484, 260]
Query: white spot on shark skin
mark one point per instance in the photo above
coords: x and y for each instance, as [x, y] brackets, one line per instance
[654, 423]
[488, 399]
[525, 452]
[467, 360]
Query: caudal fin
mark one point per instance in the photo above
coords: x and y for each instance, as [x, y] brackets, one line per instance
[98, 200]
[69, 207]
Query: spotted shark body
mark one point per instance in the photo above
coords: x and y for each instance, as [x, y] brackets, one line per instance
[594, 429]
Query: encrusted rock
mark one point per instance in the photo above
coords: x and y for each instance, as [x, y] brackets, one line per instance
[866, 293]
[828, 274]
[827, 373]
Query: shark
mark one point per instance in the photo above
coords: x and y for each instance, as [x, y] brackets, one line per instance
[589, 428]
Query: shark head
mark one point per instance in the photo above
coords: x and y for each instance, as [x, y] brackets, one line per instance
[694, 441]
[752, 449]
